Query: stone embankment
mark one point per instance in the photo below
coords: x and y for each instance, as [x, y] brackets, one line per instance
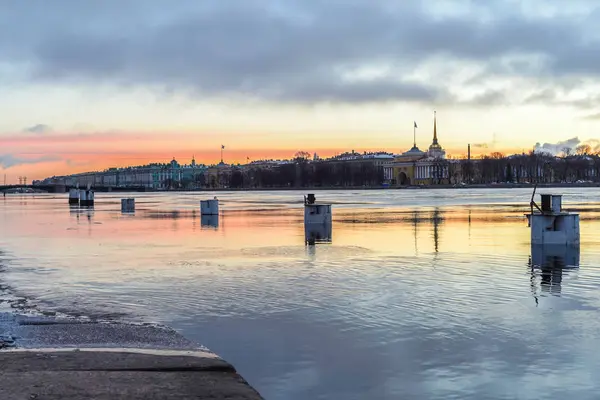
[53, 358]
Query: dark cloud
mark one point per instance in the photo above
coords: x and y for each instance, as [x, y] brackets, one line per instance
[10, 160]
[488, 98]
[294, 51]
[551, 96]
[39, 128]
[73, 163]
[542, 96]
[332, 90]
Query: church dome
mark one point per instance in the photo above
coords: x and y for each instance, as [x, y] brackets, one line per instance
[415, 151]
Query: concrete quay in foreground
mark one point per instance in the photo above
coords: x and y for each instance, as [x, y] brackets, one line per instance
[47, 358]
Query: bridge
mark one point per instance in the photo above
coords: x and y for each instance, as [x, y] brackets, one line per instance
[58, 188]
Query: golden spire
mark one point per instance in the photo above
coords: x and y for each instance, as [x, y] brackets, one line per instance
[435, 141]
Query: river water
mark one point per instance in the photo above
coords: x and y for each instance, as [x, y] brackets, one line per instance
[420, 294]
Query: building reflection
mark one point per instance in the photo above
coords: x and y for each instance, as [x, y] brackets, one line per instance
[415, 219]
[469, 224]
[317, 233]
[435, 218]
[548, 264]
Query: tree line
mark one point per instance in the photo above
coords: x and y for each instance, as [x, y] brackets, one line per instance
[534, 167]
[296, 174]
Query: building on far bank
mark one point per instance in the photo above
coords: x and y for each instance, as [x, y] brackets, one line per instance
[417, 167]
[152, 176]
[217, 176]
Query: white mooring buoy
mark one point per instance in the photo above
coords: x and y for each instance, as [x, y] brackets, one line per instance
[316, 213]
[317, 233]
[209, 221]
[83, 198]
[128, 205]
[550, 225]
[86, 198]
[74, 196]
[209, 207]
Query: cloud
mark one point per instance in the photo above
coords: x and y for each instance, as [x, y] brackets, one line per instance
[8, 160]
[75, 163]
[559, 147]
[480, 145]
[300, 51]
[543, 96]
[39, 128]
[594, 117]
[563, 96]
[488, 98]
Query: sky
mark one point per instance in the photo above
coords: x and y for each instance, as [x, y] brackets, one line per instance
[87, 85]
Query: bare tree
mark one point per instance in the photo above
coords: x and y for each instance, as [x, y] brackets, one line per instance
[466, 169]
[596, 167]
[302, 155]
[583, 149]
[440, 170]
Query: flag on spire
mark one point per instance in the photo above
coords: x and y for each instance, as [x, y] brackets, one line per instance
[222, 146]
[415, 124]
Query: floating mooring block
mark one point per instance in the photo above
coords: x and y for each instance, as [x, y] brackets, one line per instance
[128, 205]
[209, 221]
[550, 225]
[558, 255]
[209, 207]
[317, 233]
[83, 197]
[86, 198]
[73, 196]
[316, 213]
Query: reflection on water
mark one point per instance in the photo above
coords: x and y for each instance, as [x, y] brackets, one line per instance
[555, 256]
[548, 264]
[82, 214]
[209, 221]
[422, 294]
[436, 219]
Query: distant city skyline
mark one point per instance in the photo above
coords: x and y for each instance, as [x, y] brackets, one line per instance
[91, 85]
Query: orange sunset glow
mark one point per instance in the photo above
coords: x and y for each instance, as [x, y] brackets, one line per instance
[60, 154]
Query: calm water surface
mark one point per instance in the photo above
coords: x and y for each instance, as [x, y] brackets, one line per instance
[421, 294]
